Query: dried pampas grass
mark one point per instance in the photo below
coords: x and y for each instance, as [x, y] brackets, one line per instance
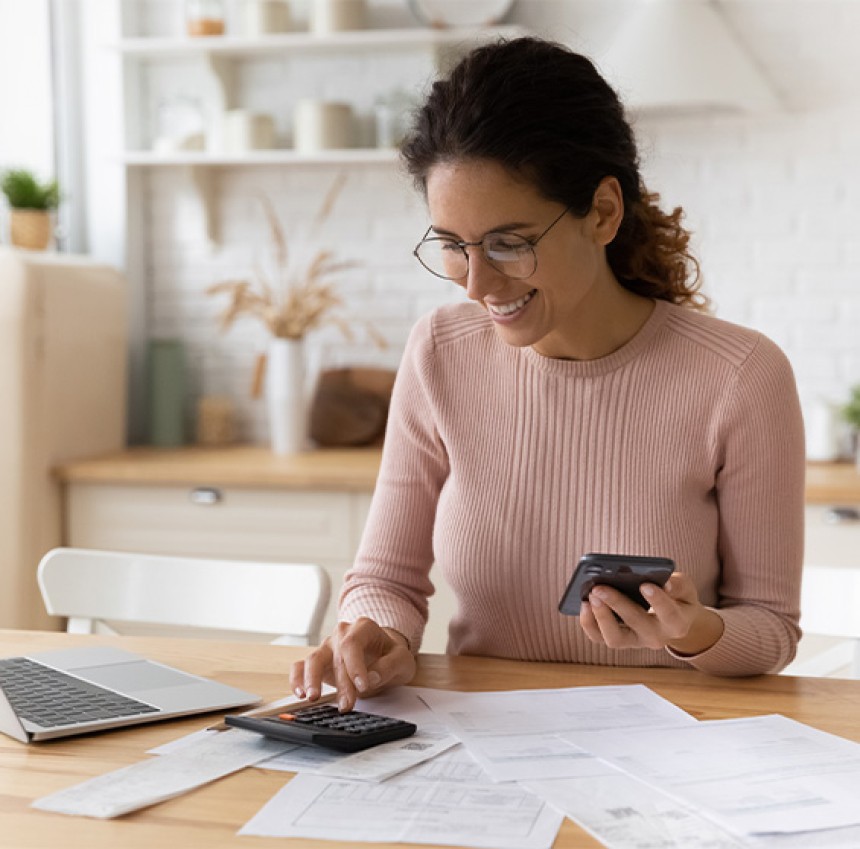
[302, 299]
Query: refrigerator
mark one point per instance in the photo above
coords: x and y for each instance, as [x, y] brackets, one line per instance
[63, 387]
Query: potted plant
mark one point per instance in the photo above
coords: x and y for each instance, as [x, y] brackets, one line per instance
[301, 298]
[851, 414]
[31, 202]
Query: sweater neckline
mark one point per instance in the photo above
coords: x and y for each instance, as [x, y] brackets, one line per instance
[603, 365]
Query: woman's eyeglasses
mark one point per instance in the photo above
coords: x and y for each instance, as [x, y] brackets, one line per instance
[512, 255]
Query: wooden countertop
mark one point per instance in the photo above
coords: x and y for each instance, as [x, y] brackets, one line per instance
[832, 483]
[342, 469]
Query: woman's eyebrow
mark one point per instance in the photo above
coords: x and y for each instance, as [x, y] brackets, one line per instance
[499, 228]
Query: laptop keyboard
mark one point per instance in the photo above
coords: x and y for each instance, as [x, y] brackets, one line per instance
[50, 698]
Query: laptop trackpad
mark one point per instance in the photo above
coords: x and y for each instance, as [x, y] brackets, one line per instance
[132, 677]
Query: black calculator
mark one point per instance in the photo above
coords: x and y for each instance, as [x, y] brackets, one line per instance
[325, 725]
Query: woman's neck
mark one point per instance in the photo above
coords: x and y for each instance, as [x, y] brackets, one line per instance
[605, 320]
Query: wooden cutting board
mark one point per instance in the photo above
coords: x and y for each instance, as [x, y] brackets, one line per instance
[350, 406]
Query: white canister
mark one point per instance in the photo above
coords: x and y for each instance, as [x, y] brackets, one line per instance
[244, 130]
[821, 422]
[261, 17]
[328, 16]
[322, 125]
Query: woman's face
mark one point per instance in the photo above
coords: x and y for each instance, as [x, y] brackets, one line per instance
[469, 199]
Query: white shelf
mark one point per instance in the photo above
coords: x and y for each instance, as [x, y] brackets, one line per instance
[221, 56]
[228, 45]
[350, 156]
[200, 165]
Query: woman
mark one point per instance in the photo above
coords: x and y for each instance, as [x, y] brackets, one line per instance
[582, 402]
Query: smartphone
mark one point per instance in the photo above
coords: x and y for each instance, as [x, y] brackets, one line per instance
[625, 572]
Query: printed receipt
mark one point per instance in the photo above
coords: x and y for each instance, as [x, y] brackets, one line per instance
[140, 785]
[375, 764]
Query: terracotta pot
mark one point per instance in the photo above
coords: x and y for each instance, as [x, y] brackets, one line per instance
[30, 228]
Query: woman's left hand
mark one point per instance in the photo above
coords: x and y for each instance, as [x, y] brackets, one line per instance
[677, 619]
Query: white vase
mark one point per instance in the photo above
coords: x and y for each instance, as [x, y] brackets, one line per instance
[286, 396]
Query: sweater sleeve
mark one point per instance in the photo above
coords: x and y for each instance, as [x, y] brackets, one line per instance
[760, 493]
[389, 581]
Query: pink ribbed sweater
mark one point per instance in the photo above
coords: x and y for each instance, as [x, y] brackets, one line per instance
[504, 467]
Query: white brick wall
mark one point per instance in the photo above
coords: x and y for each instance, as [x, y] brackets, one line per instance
[773, 200]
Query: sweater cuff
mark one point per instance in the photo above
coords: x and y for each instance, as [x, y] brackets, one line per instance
[401, 618]
[738, 652]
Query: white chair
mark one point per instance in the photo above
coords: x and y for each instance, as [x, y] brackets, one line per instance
[120, 592]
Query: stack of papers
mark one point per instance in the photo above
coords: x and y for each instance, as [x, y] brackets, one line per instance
[628, 766]
[501, 770]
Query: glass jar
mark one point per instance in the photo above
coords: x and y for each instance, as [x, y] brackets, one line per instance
[393, 113]
[179, 124]
[204, 17]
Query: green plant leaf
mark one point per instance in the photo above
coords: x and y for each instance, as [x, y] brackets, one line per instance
[851, 410]
[24, 191]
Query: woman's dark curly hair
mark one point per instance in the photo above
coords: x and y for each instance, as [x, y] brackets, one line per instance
[545, 113]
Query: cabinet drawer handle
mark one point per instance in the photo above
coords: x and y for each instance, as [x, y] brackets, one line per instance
[205, 495]
[841, 515]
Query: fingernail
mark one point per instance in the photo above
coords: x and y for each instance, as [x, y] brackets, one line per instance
[343, 704]
[374, 679]
[647, 590]
[599, 593]
[299, 692]
[312, 692]
[584, 607]
[360, 684]
[595, 600]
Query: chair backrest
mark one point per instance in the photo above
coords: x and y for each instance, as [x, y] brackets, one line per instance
[286, 600]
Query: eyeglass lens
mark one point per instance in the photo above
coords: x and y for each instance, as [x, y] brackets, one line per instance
[508, 253]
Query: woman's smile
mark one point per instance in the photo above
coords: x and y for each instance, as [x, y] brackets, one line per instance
[509, 311]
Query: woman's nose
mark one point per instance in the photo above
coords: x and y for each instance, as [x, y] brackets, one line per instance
[481, 278]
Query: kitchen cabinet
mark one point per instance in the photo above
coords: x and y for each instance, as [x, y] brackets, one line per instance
[230, 522]
[234, 503]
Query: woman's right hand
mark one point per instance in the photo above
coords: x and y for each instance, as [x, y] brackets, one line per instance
[360, 659]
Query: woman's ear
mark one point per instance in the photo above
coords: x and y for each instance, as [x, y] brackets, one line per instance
[607, 210]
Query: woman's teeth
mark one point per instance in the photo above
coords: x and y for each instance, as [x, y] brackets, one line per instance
[511, 308]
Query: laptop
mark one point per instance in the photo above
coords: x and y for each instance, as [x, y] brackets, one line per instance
[74, 691]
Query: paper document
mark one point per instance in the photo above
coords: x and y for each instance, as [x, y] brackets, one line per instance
[445, 801]
[760, 775]
[516, 735]
[156, 779]
[625, 813]
[832, 838]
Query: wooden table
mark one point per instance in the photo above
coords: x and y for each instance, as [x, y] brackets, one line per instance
[210, 816]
